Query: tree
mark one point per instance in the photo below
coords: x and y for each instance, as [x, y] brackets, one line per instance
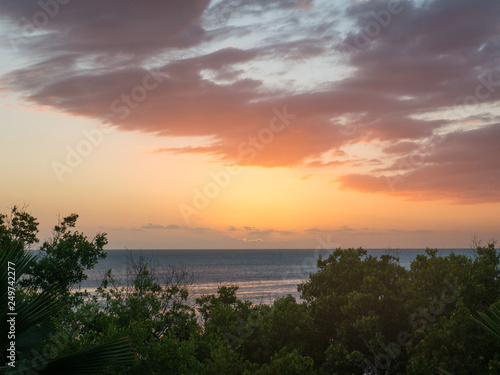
[66, 257]
[444, 294]
[476, 279]
[151, 309]
[287, 363]
[490, 319]
[18, 230]
[357, 303]
[33, 349]
[284, 324]
[454, 343]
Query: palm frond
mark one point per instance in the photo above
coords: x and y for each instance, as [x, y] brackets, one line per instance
[443, 372]
[490, 320]
[21, 262]
[90, 361]
[33, 315]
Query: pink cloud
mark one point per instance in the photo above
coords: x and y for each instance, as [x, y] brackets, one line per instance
[95, 59]
[463, 168]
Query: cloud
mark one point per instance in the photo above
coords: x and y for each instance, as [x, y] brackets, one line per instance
[119, 229]
[270, 232]
[95, 58]
[120, 31]
[156, 226]
[401, 148]
[265, 233]
[317, 230]
[462, 168]
[345, 230]
[252, 240]
[322, 164]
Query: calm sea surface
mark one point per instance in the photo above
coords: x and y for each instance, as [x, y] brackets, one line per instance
[262, 275]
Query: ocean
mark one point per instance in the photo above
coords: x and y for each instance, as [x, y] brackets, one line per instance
[261, 275]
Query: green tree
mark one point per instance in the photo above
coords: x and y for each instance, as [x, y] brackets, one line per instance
[490, 319]
[225, 315]
[436, 278]
[229, 326]
[285, 323]
[18, 230]
[65, 257]
[151, 309]
[357, 303]
[34, 349]
[444, 294]
[454, 343]
[287, 363]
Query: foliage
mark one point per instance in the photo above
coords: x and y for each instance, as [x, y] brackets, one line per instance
[287, 363]
[32, 325]
[66, 257]
[18, 230]
[453, 344]
[357, 304]
[285, 323]
[490, 319]
[151, 310]
[358, 314]
[449, 290]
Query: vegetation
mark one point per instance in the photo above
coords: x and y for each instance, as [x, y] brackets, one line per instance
[30, 341]
[358, 314]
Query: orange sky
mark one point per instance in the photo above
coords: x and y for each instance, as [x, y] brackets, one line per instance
[264, 125]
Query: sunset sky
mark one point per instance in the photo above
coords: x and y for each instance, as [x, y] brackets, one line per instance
[254, 123]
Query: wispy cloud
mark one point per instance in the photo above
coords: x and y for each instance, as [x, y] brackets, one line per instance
[463, 168]
[217, 83]
[346, 230]
[156, 226]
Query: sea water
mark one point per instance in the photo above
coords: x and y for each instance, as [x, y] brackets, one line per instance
[261, 275]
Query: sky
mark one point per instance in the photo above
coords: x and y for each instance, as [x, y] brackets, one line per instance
[243, 124]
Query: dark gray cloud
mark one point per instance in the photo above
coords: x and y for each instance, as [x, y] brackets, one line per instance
[156, 226]
[345, 230]
[462, 167]
[106, 29]
[401, 148]
[424, 58]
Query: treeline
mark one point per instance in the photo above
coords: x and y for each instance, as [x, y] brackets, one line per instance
[358, 314]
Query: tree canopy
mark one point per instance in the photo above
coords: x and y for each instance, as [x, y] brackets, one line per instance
[357, 313]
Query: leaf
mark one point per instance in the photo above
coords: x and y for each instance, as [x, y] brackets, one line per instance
[490, 320]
